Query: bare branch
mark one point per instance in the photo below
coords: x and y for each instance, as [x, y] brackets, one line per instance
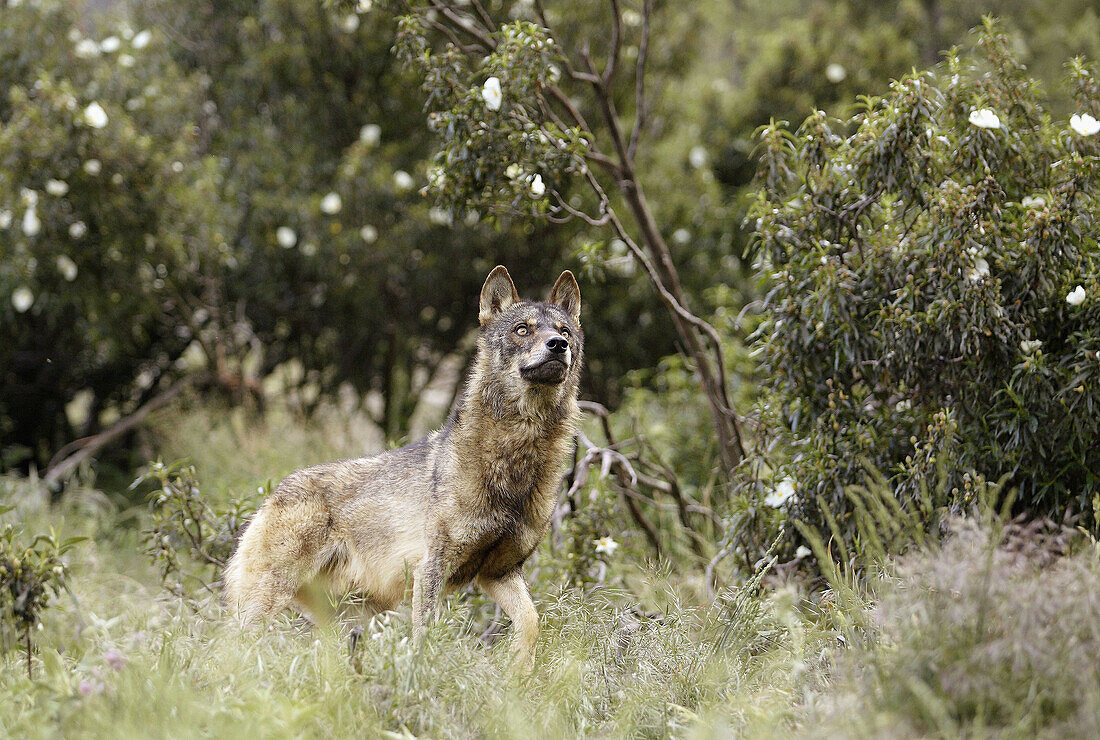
[640, 106]
[616, 44]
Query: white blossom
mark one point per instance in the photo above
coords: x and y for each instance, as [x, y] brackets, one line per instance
[1028, 346]
[350, 23]
[141, 40]
[1033, 201]
[57, 187]
[1076, 296]
[606, 546]
[802, 552]
[981, 269]
[364, 6]
[1084, 124]
[331, 204]
[95, 116]
[93, 166]
[177, 167]
[513, 171]
[681, 236]
[286, 237]
[439, 216]
[538, 188]
[31, 224]
[835, 73]
[86, 49]
[984, 118]
[5, 219]
[110, 44]
[126, 60]
[369, 234]
[403, 180]
[22, 298]
[780, 494]
[697, 157]
[491, 93]
[78, 229]
[370, 134]
[66, 267]
[28, 197]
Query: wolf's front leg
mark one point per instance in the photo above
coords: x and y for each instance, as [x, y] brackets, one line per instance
[514, 598]
[428, 582]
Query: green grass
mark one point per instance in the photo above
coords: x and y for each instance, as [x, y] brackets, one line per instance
[993, 632]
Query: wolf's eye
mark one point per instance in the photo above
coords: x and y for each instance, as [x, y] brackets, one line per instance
[564, 332]
[522, 330]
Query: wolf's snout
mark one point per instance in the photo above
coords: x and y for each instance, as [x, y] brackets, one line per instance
[557, 344]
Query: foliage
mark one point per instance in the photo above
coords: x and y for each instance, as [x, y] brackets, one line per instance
[923, 310]
[106, 223]
[29, 576]
[188, 540]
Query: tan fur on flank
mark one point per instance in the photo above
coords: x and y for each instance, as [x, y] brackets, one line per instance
[468, 502]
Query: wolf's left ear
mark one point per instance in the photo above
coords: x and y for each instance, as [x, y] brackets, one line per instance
[498, 293]
[567, 294]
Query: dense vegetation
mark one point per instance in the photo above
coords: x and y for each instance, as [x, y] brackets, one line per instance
[838, 469]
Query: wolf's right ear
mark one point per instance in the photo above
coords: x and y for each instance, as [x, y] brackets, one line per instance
[567, 294]
[498, 293]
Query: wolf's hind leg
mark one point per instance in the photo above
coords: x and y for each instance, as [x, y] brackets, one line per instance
[282, 550]
[511, 593]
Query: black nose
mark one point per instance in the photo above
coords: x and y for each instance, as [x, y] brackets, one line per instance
[557, 344]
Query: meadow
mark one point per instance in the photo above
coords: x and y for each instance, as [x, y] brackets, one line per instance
[988, 629]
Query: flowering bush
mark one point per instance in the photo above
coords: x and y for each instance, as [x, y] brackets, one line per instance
[936, 300]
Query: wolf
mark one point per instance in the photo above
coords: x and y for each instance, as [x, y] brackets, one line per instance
[469, 502]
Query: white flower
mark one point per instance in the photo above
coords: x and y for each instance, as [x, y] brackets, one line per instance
[369, 234]
[308, 249]
[141, 40]
[95, 116]
[903, 405]
[286, 237]
[29, 197]
[1028, 346]
[331, 204]
[1033, 201]
[109, 45]
[632, 17]
[984, 118]
[553, 73]
[125, 60]
[513, 171]
[403, 180]
[1084, 124]
[371, 134]
[437, 178]
[57, 187]
[981, 269]
[86, 49]
[1076, 296]
[350, 24]
[31, 224]
[697, 157]
[78, 229]
[491, 93]
[5, 219]
[780, 494]
[802, 552]
[606, 546]
[538, 188]
[177, 167]
[93, 166]
[22, 298]
[835, 73]
[439, 216]
[66, 267]
[681, 236]
[364, 6]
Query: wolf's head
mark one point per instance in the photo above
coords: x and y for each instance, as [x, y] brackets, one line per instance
[528, 350]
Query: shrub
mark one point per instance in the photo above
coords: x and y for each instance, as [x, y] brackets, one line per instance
[995, 629]
[927, 256]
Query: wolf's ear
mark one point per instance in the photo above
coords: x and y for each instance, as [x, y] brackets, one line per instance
[498, 293]
[567, 294]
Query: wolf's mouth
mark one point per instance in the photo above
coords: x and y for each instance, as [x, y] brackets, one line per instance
[551, 372]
